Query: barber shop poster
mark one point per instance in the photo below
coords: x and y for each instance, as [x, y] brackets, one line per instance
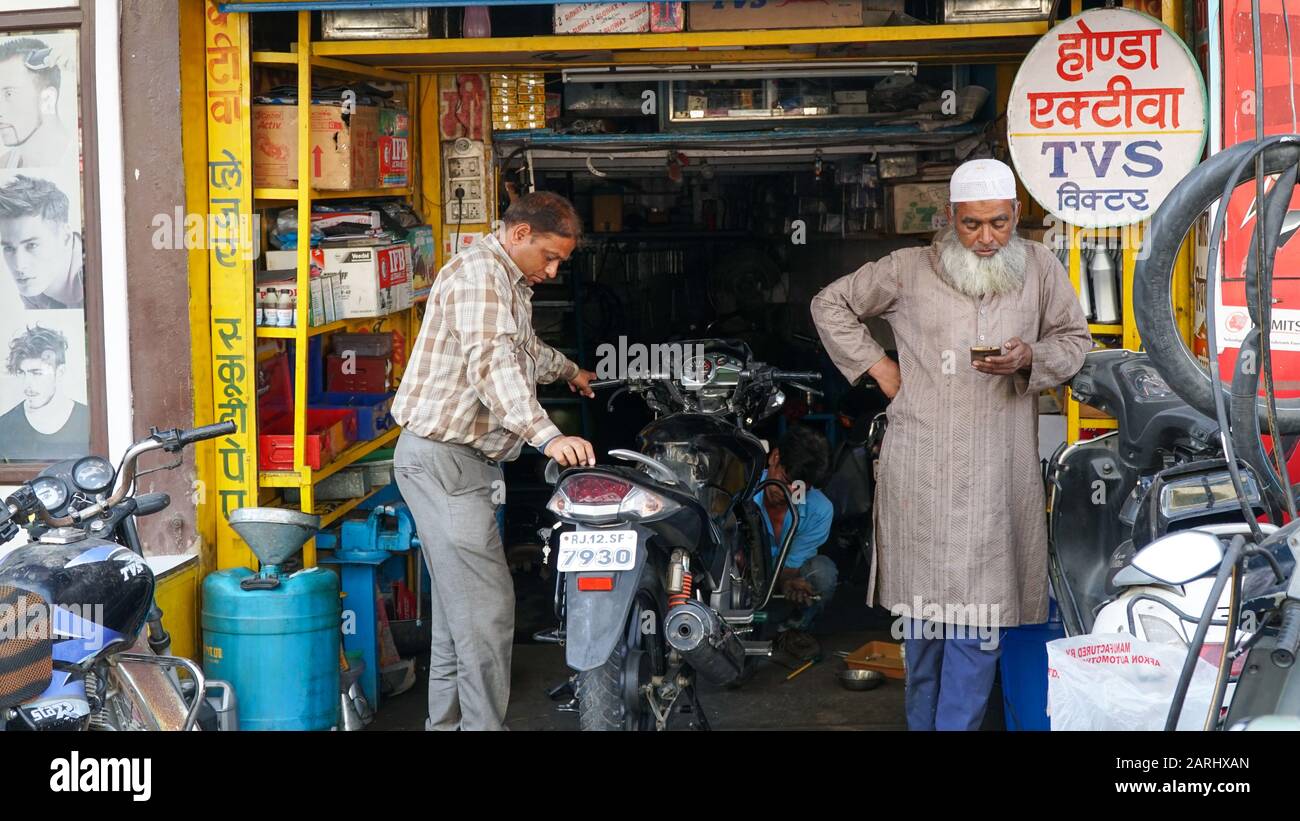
[43, 378]
[1107, 114]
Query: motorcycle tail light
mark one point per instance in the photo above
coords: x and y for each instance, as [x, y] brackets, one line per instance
[595, 489]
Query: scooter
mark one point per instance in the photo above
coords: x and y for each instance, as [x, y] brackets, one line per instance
[664, 563]
[1163, 471]
[83, 646]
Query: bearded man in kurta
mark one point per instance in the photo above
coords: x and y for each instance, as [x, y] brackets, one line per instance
[961, 532]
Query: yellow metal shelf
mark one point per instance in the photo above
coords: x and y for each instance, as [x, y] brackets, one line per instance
[266, 332]
[934, 41]
[290, 478]
[291, 194]
[334, 514]
[1088, 423]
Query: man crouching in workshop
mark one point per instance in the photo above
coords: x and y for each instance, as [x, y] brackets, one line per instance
[984, 321]
[468, 403]
[807, 579]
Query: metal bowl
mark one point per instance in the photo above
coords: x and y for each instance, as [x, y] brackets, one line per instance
[860, 679]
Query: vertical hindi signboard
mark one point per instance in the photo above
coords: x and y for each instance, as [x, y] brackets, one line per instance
[1107, 114]
[230, 263]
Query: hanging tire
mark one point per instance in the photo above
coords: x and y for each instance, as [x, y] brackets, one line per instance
[1153, 278]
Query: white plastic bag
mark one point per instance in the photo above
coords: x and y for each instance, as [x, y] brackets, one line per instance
[1112, 681]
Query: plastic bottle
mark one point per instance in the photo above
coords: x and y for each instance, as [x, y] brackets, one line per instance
[284, 309]
[477, 22]
[259, 313]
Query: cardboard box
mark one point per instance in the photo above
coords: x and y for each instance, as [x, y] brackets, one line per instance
[424, 258]
[395, 277]
[345, 149]
[602, 18]
[394, 148]
[667, 17]
[607, 213]
[370, 282]
[737, 15]
[919, 208]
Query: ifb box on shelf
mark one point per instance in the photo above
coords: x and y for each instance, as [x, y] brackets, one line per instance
[394, 148]
[371, 281]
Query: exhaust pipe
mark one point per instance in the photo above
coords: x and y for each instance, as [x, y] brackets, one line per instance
[705, 641]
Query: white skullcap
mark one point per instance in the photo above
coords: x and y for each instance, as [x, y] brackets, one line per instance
[982, 180]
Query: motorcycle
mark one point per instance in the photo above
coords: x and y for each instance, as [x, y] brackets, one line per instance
[1163, 471]
[84, 646]
[664, 564]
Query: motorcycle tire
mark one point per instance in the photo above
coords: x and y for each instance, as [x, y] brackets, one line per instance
[600, 695]
[603, 692]
[1153, 279]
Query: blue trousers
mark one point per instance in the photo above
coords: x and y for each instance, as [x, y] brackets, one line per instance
[948, 679]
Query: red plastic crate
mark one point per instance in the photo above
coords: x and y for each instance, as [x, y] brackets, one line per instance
[329, 432]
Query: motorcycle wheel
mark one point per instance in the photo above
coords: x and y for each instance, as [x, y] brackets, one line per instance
[605, 693]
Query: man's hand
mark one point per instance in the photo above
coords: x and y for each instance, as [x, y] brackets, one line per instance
[1019, 356]
[582, 383]
[797, 590]
[887, 376]
[571, 451]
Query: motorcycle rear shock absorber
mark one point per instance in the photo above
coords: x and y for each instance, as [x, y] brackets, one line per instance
[679, 578]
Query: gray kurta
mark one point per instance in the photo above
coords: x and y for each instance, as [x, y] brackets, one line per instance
[960, 517]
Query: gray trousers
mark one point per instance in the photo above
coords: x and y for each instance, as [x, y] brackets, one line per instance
[453, 493]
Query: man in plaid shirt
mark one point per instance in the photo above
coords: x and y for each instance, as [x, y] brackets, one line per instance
[467, 403]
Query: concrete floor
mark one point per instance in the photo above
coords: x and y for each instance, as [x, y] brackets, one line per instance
[813, 700]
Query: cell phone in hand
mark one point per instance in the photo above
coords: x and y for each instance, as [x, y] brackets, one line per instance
[984, 352]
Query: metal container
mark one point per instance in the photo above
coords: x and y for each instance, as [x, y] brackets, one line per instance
[860, 679]
[995, 11]
[379, 473]
[383, 24]
[351, 483]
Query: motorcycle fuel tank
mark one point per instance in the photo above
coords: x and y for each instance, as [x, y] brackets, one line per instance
[96, 586]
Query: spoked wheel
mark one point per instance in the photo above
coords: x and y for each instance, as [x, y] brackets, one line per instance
[612, 696]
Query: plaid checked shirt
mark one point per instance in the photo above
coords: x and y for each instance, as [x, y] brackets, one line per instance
[473, 371]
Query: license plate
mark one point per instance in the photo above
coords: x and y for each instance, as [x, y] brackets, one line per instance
[584, 550]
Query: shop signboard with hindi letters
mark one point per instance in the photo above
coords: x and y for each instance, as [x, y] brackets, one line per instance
[230, 264]
[1107, 114]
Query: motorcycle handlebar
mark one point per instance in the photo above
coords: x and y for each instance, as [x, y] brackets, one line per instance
[199, 434]
[1288, 636]
[797, 376]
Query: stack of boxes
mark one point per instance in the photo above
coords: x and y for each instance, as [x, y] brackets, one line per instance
[518, 101]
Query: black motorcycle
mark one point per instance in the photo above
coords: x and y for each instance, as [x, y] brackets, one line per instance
[665, 563]
[1111, 496]
[75, 603]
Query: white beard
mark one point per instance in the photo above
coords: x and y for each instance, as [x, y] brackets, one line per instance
[978, 276]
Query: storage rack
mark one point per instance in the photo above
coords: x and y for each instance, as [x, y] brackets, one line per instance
[417, 62]
[302, 476]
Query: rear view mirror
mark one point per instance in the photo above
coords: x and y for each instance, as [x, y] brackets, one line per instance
[1180, 557]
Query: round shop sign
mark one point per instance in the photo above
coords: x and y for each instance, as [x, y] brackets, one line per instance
[1106, 115]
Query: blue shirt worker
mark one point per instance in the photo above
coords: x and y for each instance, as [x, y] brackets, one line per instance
[807, 579]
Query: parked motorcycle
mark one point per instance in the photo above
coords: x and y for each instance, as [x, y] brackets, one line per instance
[665, 563]
[77, 599]
[1163, 471]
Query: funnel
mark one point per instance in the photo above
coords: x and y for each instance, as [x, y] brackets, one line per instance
[274, 533]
